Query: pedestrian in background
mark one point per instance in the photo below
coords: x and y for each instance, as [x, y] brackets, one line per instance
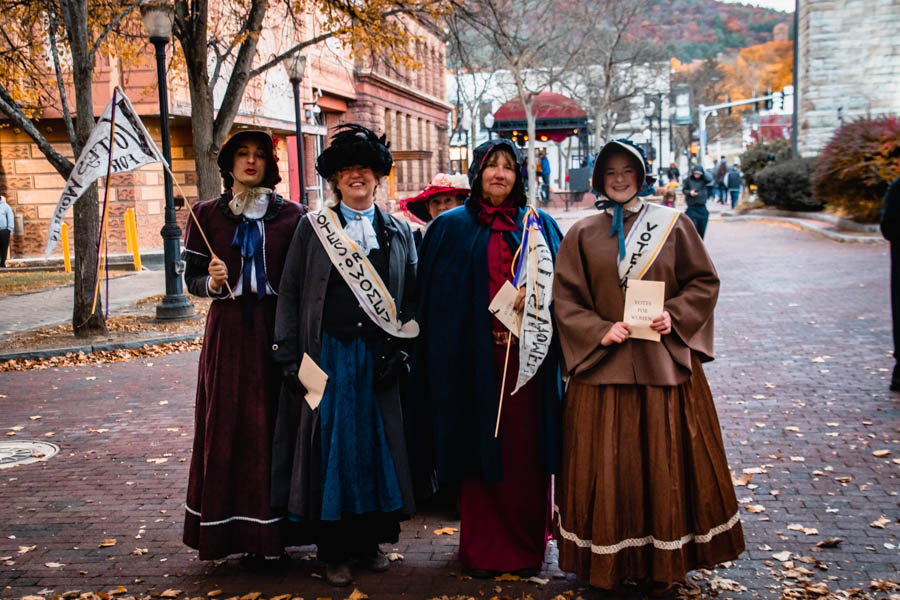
[735, 184]
[890, 229]
[340, 468]
[645, 492]
[459, 368]
[249, 227]
[7, 224]
[720, 189]
[545, 175]
[673, 173]
[696, 192]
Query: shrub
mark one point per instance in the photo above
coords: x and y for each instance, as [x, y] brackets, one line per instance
[786, 185]
[857, 165]
[759, 156]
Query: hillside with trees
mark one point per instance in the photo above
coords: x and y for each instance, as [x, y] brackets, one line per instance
[702, 28]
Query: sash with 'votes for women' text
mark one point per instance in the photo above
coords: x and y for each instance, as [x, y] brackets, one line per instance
[360, 275]
[646, 238]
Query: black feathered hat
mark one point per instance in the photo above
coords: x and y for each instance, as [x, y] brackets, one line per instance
[354, 145]
[265, 140]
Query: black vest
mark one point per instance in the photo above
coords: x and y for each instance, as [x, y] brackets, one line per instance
[343, 317]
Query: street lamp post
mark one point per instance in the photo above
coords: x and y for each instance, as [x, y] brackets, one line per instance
[157, 16]
[655, 108]
[296, 65]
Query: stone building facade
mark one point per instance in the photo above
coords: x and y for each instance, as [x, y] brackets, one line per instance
[405, 103]
[848, 65]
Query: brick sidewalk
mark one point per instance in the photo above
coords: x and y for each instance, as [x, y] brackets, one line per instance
[801, 377]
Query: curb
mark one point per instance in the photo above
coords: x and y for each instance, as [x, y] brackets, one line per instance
[845, 238]
[90, 348]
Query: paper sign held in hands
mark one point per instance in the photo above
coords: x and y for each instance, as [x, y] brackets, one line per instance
[643, 303]
[503, 307]
[313, 379]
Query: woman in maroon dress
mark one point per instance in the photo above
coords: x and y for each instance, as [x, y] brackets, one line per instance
[504, 481]
[249, 228]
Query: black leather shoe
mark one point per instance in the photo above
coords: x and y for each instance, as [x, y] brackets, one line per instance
[337, 574]
[377, 562]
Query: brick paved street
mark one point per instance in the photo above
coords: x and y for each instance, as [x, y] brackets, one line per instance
[800, 380]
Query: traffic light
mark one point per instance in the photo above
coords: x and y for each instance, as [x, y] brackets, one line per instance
[780, 97]
[727, 101]
[695, 149]
[769, 100]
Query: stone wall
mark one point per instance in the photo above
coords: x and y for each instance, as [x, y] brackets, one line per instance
[848, 65]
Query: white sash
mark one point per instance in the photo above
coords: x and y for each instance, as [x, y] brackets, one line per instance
[360, 275]
[645, 239]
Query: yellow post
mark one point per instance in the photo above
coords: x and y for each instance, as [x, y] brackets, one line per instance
[392, 184]
[64, 234]
[127, 219]
[131, 224]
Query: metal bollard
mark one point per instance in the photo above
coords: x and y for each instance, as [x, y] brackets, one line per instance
[67, 259]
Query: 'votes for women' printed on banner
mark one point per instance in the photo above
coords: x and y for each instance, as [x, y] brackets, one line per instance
[643, 303]
[131, 147]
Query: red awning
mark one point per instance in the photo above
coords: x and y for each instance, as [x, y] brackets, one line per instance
[547, 105]
[557, 117]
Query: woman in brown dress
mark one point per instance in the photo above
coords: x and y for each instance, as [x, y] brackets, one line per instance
[645, 494]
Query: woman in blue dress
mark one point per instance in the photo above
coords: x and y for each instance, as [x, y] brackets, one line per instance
[340, 468]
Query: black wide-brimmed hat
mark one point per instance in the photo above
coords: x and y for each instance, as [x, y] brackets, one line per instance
[355, 145]
[621, 146]
[265, 140]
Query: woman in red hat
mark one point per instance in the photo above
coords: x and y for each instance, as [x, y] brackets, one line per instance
[249, 228]
[444, 192]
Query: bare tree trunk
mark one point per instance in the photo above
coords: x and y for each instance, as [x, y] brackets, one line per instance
[190, 29]
[209, 182]
[85, 322]
[532, 174]
[210, 130]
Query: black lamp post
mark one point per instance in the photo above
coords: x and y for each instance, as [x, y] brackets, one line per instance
[157, 17]
[295, 66]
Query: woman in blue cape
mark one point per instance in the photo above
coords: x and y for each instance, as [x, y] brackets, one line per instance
[466, 257]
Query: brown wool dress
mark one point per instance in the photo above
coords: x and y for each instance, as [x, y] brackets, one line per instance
[645, 492]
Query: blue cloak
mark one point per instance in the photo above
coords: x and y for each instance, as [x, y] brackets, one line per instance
[454, 392]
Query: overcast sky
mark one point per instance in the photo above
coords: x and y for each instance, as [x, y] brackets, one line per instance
[784, 5]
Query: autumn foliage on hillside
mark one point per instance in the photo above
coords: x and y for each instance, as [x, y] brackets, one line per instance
[702, 28]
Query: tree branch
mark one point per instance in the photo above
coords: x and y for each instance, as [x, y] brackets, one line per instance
[112, 25]
[10, 108]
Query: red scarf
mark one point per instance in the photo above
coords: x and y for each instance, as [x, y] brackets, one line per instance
[497, 218]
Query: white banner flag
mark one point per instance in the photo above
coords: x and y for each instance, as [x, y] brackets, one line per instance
[536, 270]
[132, 147]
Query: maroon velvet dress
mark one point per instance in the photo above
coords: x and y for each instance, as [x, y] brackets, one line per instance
[227, 509]
[504, 526]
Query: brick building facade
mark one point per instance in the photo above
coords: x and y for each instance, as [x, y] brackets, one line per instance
[407, 104]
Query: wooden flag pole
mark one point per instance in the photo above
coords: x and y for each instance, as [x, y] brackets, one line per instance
[197, 223]
[503, 383]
